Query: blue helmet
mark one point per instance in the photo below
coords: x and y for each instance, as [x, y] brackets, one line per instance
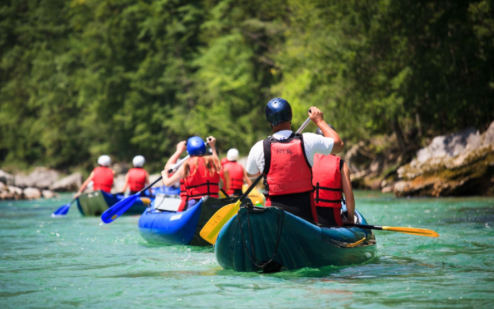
[196, 146]
[278, 110]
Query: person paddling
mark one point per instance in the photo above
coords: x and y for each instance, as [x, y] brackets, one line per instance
[200, 174]
[137, 177]
[236, 172]
[286, 159]
[330, 176]
[101, 176]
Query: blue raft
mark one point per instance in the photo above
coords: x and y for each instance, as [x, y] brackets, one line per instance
[179, 228]
[97, 202]
[297, 243]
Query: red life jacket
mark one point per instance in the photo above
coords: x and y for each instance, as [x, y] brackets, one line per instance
[286, 169]
[236, 173]
[103, 179]
[327, 181]
[137, 179]
[183, 195]
[200, 182]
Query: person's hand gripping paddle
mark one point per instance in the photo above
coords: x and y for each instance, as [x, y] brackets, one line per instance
[212, 228]
[112, 213]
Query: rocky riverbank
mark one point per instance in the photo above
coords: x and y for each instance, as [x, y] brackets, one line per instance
[458, 164]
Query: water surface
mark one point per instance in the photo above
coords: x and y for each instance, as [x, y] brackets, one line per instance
[74, 262]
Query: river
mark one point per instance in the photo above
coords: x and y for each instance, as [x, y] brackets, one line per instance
[74, 262]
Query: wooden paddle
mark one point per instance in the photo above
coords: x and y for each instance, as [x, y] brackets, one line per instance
[405, 230]
[212, 228]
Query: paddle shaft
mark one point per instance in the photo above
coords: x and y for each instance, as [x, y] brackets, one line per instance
[364, 226]
[252, 186]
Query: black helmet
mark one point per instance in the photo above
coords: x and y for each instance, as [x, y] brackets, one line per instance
[318, 131]
[278, 110]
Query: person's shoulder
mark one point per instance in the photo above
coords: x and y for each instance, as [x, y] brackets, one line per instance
[257, 146]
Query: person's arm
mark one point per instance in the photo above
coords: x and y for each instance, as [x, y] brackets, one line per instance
[317, 117]
[148, 182]
[346, 185]
[255, 159]
[176, 177]
[246, 178]
[181, 147]
[212, 143]
[226, 177]
[84, 185]
[126, 184]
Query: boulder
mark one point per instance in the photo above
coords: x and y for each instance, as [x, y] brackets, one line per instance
[454, 165]
[41, 178]
[3, 187]
[47, 194]
[6, 178]
[70, 183]
[32, 193]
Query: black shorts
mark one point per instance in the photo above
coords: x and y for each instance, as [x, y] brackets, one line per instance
[329, 216]
[298, 204]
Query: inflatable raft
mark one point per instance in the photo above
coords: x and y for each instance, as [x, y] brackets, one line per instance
[271, 239]
[97, 202]
[162, 224]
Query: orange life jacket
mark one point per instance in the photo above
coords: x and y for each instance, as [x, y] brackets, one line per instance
[103, 179]
[236, 173]
[200, 182]
[327, 181]
[286, 169]
[137, 179]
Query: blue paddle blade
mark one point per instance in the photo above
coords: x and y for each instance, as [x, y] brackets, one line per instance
[62, 211]
[118, 209]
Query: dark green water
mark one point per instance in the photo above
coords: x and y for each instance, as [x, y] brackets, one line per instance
[74, 262]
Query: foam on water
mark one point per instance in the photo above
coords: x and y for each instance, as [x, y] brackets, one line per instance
[74, 261]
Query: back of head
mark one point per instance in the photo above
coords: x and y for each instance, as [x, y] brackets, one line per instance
[104, 160]
[232, 154]
[138, 161]
[196, 146]
[277, 111]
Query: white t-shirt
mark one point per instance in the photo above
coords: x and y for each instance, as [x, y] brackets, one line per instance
[313, 144]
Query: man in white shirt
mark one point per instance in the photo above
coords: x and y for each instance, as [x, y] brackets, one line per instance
[286, 159]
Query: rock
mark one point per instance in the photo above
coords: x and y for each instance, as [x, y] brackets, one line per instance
[48, 194]
[3, 187]
[455, 165]
[70, 183]
[388, 189]
[6, 178]
[41, 178]
[32, 193]
[118, 183]
[15, 190]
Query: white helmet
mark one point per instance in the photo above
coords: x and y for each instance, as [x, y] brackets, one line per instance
[138, 161]
[232, 154]
[104, 160]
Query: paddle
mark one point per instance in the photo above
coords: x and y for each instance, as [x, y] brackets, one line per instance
[405, 230]
[63, 210]
[112, 213]
[212, 228]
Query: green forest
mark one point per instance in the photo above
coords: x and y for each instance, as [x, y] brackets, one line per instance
[83, 78]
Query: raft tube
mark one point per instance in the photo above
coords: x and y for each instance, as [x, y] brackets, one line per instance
[179, 228]
[301, 243]
[97, 202]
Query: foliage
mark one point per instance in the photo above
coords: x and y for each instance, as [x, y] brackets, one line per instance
[85, 77]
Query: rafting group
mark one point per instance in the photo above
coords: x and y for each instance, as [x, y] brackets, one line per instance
[306, 216]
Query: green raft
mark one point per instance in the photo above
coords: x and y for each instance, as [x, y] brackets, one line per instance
[271, 239]
[97, 202]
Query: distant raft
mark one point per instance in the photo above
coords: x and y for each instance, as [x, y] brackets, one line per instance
[162, 224]
[97, 202]
[271, 239]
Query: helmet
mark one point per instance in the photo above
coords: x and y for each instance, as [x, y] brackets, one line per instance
[232, 154]
[104, 160]
[278, 110]
[318, 131]
[196, 146]
[138, 161]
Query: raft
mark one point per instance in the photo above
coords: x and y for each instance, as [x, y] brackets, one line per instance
[97, 202]
[178, 228]
[296, 242]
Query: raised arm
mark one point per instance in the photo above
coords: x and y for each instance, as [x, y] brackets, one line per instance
[181, 147]
[176, 177]
[317, 117]
[126, 184]
[347, 189]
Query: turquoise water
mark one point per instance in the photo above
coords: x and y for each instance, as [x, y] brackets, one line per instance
[74, 262]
